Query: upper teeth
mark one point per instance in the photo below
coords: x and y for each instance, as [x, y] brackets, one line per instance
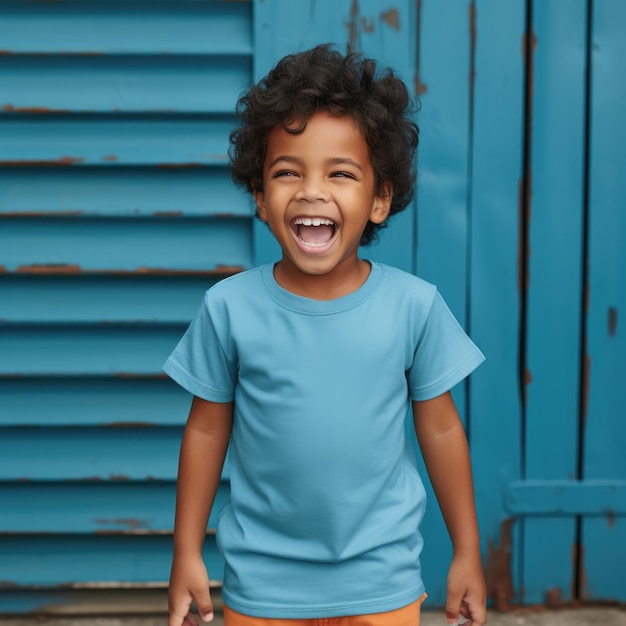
[313, 221]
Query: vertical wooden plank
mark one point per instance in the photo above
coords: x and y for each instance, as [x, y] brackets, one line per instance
[442, 215]
[554, 284]
[385, 33]
[497, 149]
[604, 537]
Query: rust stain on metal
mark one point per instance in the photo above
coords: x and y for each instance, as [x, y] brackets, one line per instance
[612, 321]
[554, 598]
[498, 568]
[130, 522]
[63, 161]
[392, 18]
[109, 157]
[49, 268]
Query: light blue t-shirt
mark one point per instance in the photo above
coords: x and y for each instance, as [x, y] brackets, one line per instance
[326, 500]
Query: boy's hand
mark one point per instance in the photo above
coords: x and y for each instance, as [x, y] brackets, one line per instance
[189, 581]
[467, 592]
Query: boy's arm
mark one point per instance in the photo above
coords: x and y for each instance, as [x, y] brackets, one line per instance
[202, 454]
[444, 447]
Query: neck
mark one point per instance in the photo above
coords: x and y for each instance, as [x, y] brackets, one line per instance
[336, 284]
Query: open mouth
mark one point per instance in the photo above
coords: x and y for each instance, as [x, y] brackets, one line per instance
[314, 233]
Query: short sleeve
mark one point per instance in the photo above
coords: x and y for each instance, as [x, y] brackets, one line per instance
[199, 363]
[444, 356]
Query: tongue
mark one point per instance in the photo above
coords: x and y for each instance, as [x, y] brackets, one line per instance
[315, 234]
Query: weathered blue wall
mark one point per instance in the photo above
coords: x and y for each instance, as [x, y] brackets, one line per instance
[117, 212]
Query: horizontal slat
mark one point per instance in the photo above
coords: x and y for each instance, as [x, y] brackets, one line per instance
[81, 139]
[126, 244]
[92, 402]
[91, 454]
[81, 298]
[567, 497]
[83, 560]
[100, 27]
[46, 454]
[41, 84]
[107, 350]
[97, 507]
[121, 191]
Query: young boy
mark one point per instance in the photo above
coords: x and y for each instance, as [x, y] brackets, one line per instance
[308, 367]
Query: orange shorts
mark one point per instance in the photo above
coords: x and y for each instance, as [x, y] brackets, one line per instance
[406, 616]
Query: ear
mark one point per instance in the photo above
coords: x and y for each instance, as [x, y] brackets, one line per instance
[382, 204]
[259, 198]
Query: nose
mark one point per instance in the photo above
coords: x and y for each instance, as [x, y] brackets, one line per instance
[312, 189]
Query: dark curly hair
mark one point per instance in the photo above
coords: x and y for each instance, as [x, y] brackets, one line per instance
[322, 79]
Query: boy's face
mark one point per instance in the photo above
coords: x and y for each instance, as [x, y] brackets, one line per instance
[319, 192]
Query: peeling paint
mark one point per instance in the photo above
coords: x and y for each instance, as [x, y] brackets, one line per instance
[498, 568]
[50, 268]
[419, 87]
[392, 18]
[120, 477]
[367, 27]
[9, 108]
[130, 522]
[612, 321]
[352, 26]
[554, 598]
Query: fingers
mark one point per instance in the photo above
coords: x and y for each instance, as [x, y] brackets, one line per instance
[203, 602]
[466, 613]
[180, 609]
[453, 605]
[181, 616]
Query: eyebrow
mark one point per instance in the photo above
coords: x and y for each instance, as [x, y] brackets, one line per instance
[334, 161]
